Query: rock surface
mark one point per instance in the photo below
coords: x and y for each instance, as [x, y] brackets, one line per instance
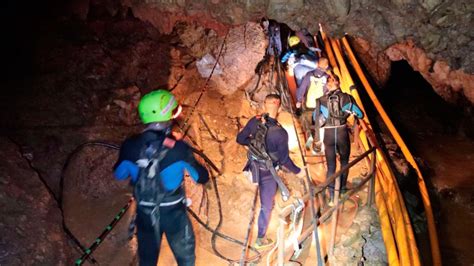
[361, 242]
[447, 82]
[438, 31]
[244, 48]
[30, 221]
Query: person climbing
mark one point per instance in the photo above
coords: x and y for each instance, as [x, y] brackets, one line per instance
[299, 59]
[307, 39]
[156, 163]
[272, 29]
[273, 143]
[334, 108]
[277, 36]
[311, 88]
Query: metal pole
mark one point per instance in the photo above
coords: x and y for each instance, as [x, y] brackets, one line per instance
[335, 215]
[314, 212]
[249, 229]
[281, 242]
[371, 196]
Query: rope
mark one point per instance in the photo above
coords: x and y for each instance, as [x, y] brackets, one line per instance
[249, 229]
[183, 127]
[314, 214]
[104, 233]
[58, 201]
[87, 253]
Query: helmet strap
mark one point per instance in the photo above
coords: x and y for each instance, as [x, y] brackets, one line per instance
[159, 126]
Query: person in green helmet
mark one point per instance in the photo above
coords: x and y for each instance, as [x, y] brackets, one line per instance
[156, 163]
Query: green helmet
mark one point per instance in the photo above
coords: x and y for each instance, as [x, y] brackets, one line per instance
[157, 106]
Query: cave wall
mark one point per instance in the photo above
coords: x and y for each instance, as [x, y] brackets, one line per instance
[30, 220]
[434, 36]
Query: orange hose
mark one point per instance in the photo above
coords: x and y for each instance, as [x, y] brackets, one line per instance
[396, 227]
[291, 84]
[435, 253]
[403, 226]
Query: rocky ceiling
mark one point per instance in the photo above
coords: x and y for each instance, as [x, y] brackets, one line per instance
[434, 36]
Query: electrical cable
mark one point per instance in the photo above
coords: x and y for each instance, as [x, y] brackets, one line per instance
[215, 232]
[314, 213]
[183, 127]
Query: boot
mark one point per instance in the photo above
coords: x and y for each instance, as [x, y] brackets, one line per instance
[317, 148]
[263, 242]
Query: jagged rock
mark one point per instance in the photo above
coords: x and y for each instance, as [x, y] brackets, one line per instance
[30, 220]
[430, 4]
[196, 39]
[338, 8]
[437, 27]
[377, 63]
[244, 48]
[445, 81]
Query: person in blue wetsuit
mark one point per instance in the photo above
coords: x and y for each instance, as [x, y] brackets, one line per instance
[275, 142]
[168, 216]
[334, 109]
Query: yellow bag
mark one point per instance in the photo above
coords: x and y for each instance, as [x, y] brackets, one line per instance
[315, 91]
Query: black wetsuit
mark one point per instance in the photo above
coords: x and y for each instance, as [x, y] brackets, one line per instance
[277, 144]
[336, 135]
[172, 215]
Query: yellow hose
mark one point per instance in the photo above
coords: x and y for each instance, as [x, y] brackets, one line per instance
[396, 227]
[435, 253]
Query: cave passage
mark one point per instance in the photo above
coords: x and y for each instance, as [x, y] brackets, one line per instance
[441, 135]
[70, 81]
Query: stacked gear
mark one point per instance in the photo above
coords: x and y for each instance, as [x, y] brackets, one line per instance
[261, 158]
[158, 106]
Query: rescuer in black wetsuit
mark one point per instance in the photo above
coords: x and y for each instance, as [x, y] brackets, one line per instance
[335, 107]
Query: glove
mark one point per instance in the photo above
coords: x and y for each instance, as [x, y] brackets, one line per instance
[126, 169]
[208, 186]
[314, 49]
[291, 60]
[298, 112]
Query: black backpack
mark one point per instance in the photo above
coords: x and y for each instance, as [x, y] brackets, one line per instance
[336, 116]
[260, 156]
[148, 190]
[258, 147]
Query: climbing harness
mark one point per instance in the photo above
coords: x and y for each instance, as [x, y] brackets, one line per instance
[260, 158]
[87, 252]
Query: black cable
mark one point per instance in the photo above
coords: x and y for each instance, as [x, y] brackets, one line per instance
[249, 228]
[185, 130]
[314, 212]
[219, 224]
[215, 232]
[56, 199]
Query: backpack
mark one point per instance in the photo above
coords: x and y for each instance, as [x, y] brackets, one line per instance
[315, 90]
[148, 190]
[336, 116]
[258, 147]
[275, 46]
